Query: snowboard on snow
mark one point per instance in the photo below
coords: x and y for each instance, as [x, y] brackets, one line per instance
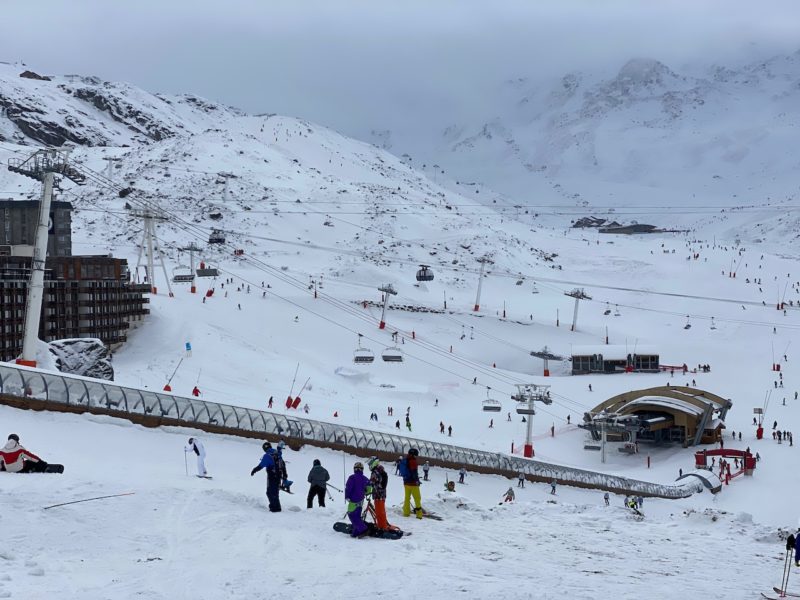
[204, 476]
[53, 468]
[372, 531]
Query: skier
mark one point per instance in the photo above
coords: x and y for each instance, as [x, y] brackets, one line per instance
[356, 488]
[269, 404]
[16, 459]
[318, 477]
[408, 423]
[425, 468]
[441, 427]
[196, 446]
[461, 473]
[509, 495]
[196, 391]
[509, 417]
[286, 484]
[797, 548]
[273, 476]
[397, 424]
[408, 469]
[449, 431]
[379, 479]
[553, 486]
[605, 497]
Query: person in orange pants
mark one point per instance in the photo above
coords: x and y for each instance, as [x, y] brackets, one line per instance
[379, 480]
[409, 471]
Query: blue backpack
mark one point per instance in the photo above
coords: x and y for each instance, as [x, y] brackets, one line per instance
[405, 472]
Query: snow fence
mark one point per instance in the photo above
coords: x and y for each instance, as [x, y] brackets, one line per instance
[31, 388]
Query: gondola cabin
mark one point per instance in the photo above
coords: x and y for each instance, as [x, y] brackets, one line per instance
[424, 273]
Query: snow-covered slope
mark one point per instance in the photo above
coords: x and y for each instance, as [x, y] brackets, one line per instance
[183, 537]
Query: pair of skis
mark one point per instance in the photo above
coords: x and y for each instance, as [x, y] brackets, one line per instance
[787, 570]
[781, 594]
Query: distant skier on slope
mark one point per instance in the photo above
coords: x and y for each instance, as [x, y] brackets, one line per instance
[273, 476]
[16, 459]
[196, 446]
[509, 495]
[410, 474]
[356, 488]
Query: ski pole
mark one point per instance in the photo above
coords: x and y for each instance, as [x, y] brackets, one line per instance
[89, 499]
[185, 464]
[334, 487]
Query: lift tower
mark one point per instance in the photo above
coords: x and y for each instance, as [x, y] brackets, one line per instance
[43, 165]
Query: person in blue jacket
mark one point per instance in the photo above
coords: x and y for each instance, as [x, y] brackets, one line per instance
[269, 462]
[355, 490]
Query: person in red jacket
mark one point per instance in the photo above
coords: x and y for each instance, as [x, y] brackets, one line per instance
[15, 459]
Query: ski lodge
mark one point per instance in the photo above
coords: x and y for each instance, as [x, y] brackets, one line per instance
[614, 358]
[658, 415]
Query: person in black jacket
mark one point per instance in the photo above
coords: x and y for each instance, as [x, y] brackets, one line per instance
[318, 477]
[268, 462]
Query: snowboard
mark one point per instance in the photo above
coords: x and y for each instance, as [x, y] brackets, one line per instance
[53, 468]
[372, 531]
[204, 476]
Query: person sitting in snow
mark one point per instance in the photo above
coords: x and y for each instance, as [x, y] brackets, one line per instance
[16, 459]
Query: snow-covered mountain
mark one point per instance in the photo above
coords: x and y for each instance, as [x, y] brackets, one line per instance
[647, 135]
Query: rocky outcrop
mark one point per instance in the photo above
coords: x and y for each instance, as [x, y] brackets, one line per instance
[88, 357]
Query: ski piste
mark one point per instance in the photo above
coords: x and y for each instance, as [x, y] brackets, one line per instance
[372, 531]
[781, 593]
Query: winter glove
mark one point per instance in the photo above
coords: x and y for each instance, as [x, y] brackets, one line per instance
[351, 506]
[369, 489]
[254, 471]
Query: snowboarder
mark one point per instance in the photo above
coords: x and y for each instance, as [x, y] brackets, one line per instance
[397, 424]
[286, 484]
[379, 479]
[449, 431]
[318, 477]
[408, 423]
[521, 480]
[16, 459]
[553, 486]
[196, 446]
[461, 473]
[410, 474]
[441, 427]
[590, 387]
[425, 468]
[273, 476]
[509, 495]
[196, 391]
[355, 490]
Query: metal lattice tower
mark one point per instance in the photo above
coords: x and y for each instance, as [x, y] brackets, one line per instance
[151, 247]
[43, 165]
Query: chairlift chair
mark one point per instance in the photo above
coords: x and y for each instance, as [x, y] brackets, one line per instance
[216, 237]
[424, 273]
[490, 404]
[534, 289]
[616, 310]
[362, 355]
[713, 325]
[688, 324]
[392, 354]
[522, 409]
[182, 274]
[607, 311]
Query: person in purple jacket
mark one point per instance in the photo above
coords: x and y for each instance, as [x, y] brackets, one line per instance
[355, 490]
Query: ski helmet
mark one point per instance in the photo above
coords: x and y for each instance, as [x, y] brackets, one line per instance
[373, 463]
[14, 437]
[191, 440]
[266, 446]
[358, 467]
[281, 445]
[413, 452]
[317, 463]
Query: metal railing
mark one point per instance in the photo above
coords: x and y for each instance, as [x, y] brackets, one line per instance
[25, 383]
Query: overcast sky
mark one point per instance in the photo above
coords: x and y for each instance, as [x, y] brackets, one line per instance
[352, 65]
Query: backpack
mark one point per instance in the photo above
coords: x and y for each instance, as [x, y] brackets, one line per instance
[405, 472]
